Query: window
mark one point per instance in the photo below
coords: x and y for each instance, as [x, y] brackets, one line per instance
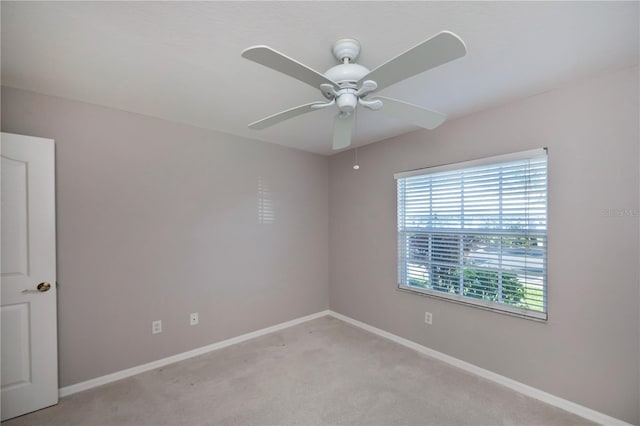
[476, 232]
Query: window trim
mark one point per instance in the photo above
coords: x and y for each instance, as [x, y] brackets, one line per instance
[456, 298]
[504, 158]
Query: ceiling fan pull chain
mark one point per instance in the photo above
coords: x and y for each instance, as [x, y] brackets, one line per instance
[356, 165]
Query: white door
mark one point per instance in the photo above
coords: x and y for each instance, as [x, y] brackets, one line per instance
[28, 279]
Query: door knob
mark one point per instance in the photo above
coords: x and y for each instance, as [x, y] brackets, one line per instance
[41, 288]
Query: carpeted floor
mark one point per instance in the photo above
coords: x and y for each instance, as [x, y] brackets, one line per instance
[322, 372]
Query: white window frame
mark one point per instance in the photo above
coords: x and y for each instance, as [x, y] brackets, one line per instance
[404, 257]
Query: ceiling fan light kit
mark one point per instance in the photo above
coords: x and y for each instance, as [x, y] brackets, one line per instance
[348, 84]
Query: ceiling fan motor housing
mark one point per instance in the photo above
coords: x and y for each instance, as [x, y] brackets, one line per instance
[346, 73]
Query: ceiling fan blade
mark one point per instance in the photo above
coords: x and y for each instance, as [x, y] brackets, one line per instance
[342, 131]
[439, 49]
[412, 113]
[284, 115]
[275, 60]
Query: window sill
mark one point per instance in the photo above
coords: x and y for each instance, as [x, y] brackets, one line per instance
[480, 304]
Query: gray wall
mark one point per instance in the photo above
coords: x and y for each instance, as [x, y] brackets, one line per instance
[588, 351]
[156, 220]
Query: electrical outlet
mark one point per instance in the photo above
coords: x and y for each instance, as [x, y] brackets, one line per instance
[428, 318]
[193, 318]
[156, 327]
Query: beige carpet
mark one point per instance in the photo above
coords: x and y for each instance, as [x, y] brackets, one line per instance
[323, 372]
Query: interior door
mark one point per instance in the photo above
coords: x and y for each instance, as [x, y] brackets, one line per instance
[28, 275]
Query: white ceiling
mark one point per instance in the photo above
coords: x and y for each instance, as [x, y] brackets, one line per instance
[181, 60]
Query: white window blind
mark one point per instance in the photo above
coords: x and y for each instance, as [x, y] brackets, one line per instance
[476, 232]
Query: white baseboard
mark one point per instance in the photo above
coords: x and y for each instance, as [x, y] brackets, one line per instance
[102, 380]
[527, 390]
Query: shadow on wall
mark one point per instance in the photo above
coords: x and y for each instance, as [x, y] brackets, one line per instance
[266, 211]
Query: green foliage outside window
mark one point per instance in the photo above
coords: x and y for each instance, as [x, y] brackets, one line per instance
[476, 283]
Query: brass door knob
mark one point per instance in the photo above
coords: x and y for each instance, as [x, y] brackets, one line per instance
[42, 287]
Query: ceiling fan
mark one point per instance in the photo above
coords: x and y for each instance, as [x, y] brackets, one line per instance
[348, 84]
